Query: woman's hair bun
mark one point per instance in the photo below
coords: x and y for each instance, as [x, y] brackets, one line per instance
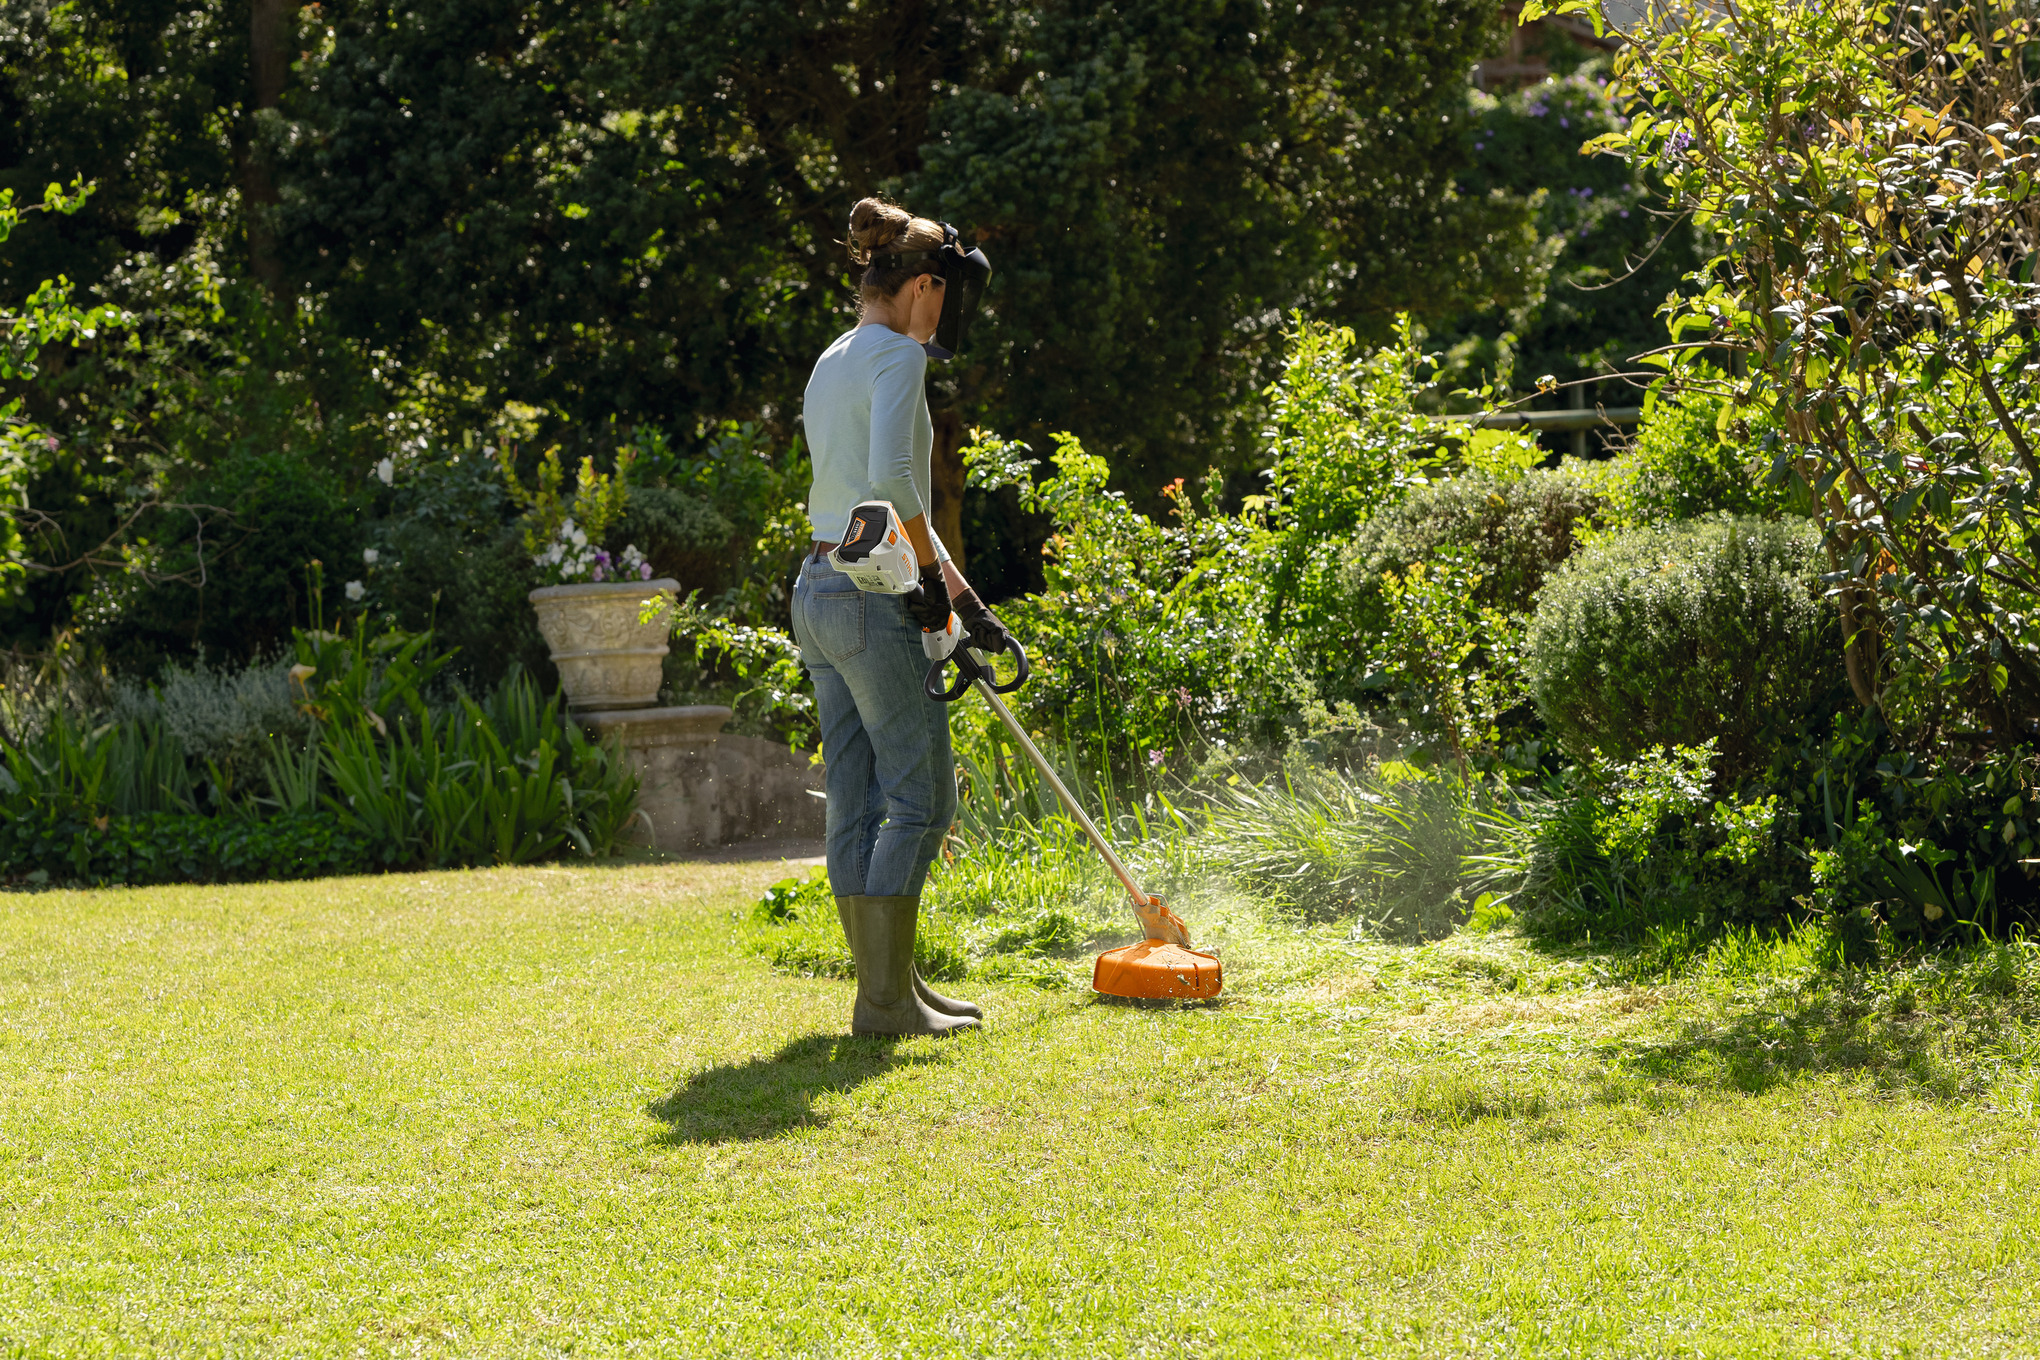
[878, 225]
[873, 225]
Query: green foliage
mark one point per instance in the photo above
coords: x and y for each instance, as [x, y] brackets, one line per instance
[392, 774]
[448, 557]
[1870, 188]
[47, 844]
[755, 671]
[1918, 847]
[1598, 235]
[1145, 631]
[1512, 530]
[1693, 455]
[47, 317]
[506, 782]
[1680, 636]
[216, 715]
[1630, 851]
[1454, 663]
[723, 514]
[1210, 630]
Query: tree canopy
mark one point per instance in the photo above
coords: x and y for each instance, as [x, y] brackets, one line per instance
[626, 216]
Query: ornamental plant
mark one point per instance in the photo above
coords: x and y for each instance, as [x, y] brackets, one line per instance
[1868, 170]
[564, 534]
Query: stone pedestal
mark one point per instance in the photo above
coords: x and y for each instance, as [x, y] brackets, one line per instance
[678, 789]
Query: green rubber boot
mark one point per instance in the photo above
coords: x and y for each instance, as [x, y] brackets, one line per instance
[948, 1005]
[881, 935]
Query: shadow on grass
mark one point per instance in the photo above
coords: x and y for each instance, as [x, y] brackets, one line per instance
[1795, 1033]
[765, 1097]
[1754, 1013]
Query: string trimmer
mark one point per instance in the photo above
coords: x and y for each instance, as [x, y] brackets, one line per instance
[877, 557]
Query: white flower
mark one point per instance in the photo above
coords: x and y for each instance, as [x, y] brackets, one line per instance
[580, 539]
[369, 555]
[355, 590]
[386, 470]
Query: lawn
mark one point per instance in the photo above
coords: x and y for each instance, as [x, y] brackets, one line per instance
[539, 1111]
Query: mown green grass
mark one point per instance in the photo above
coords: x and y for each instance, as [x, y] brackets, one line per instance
[542, 1111]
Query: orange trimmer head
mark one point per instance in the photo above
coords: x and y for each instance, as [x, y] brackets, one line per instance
[1155, 970]
[1161, 967]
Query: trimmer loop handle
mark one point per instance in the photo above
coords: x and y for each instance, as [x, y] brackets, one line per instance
[969, 668]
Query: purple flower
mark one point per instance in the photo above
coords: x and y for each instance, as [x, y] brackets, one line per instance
[644, 571]
[1625, 212]
[1565, 122]
[1681, 140]
[1154, 760]
[598, 571]
[1587, 192]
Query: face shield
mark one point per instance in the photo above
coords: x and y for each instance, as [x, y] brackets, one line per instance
[963, 274]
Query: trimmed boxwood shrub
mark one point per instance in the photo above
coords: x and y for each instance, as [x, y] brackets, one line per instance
[1517, 529]
[48, 844]
[1672, 636]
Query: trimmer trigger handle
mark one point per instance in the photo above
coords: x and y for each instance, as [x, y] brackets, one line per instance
[967, 670]
[1022, 669]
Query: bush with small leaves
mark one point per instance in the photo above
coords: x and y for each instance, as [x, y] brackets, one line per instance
[1708, 631]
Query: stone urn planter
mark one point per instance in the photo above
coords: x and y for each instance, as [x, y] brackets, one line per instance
[607, 659]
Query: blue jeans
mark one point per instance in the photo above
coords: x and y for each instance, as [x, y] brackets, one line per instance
[891, 779]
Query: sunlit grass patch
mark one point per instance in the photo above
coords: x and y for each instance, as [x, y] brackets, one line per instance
[539, 1111]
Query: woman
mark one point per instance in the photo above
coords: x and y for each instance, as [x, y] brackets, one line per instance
[891, 780]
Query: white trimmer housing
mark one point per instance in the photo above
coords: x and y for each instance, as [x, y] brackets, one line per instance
[875, 552]
[877, 556]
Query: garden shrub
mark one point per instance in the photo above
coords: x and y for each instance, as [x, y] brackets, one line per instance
[1513, 531]
[683, 536]
[1679, 636]
[285, 509]
[1204, 629]
[446, 557]
[49, 843]
[223, 715]
[1690, 458]
[1620, 852]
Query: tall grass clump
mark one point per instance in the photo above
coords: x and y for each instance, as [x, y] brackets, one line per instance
[1382, 851]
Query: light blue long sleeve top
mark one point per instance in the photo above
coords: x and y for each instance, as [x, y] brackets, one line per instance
[868, 430]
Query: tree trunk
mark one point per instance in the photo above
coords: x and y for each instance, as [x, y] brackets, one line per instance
[1859, 644]
[946, 474]
[269, 31]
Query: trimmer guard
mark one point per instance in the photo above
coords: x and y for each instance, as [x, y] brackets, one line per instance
[1155, 970]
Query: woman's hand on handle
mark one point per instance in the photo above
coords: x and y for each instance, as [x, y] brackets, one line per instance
[987, 633]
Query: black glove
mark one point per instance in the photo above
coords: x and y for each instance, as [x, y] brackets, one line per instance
[987, 634]
[928, 603]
